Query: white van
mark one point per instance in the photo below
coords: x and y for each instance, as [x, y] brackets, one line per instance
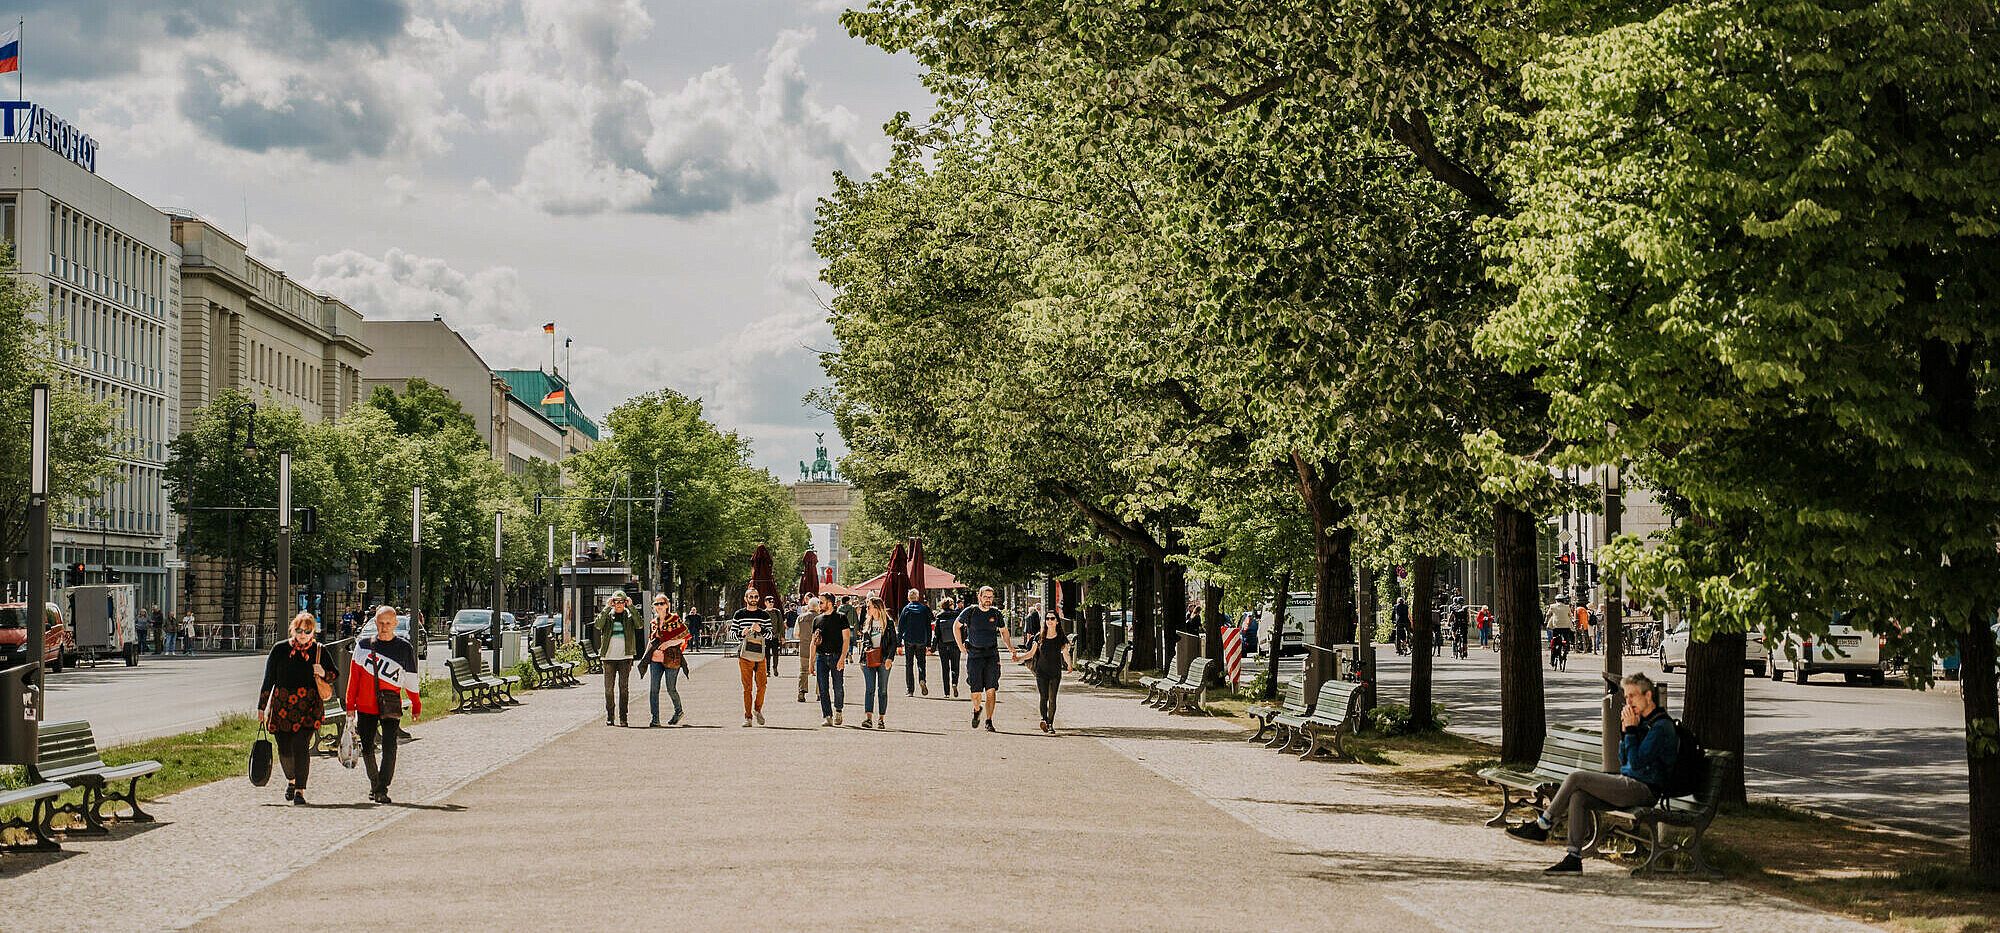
[1674, 650]
[1846, 650]
[1299, 609]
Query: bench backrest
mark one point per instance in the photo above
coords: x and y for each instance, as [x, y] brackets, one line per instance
[1710, 791]
[1295, 696]
[1336, 701]
[538, 657]
[63, 747]
[1121, 654]
[1197, 673]
[461, 669]
[1565, 750]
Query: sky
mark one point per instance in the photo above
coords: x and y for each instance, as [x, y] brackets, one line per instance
[643, 173]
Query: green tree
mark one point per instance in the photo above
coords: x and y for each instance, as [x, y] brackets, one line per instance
[1760, 240]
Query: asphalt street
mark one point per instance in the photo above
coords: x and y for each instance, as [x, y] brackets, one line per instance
[1889, 754]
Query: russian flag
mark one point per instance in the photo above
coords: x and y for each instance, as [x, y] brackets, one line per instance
[10, 50]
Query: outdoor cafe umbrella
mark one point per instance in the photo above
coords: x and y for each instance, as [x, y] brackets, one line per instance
[761, 573]
[897, 581]
[809, 576]
[917, 564]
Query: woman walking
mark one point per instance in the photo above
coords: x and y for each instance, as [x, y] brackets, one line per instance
[295, 674]
[382, 671]
[878, 658]
[665, 658]
[1049, 658]
[619, 639]
[757, 646]
[946, 646]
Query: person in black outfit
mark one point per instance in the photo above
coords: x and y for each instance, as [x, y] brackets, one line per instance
[385, 667]
[1049, 657]
[946, 645]
[290, 703]
[914, 625]
[832, 639]
[980, 631]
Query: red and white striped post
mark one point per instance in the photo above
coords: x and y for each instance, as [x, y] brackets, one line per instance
[1232, 653]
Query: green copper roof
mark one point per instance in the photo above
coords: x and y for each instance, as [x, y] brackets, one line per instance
[533, 385]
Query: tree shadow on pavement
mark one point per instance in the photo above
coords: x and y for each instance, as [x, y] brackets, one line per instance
[1196, 735]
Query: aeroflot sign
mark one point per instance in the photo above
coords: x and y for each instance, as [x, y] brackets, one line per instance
[25, 122]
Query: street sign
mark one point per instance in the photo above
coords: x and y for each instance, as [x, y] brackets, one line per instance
[361, 586]
[176, 564]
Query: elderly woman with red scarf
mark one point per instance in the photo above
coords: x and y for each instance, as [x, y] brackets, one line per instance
[290, 703]
[666, 639]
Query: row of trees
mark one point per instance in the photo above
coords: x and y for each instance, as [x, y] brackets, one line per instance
[1204, 284]
[357, 473]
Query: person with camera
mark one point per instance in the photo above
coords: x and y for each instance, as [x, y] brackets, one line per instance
[620, 637]
[382, 671]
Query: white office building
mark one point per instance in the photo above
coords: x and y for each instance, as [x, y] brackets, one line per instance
[109, 266]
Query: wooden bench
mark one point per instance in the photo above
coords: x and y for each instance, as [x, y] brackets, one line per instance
[1673, 825]
[1335, 714]
[1108, 671]
[1564, 750]
[67, 752]
[507, 682]
[593, 663]
[1156, 685]
[41, 818]
[551, 672]
[1289, 726]
[469, 689]
[1191, 691]
[1293, 696]
[332, 716]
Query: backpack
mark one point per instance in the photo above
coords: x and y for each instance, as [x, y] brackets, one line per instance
[1690, 768]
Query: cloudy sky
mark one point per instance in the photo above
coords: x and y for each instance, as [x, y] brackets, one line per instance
[642, 172]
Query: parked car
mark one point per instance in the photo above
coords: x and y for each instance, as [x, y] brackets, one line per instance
[1845, 650]
[479, 622]
[1674, 650]
[1299, 618]
[420, 639]
[58, 643]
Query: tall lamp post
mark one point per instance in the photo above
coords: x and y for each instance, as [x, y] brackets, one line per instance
[1614, 623]
[416, 559]
[285, 533]
[38, 534]
[499, 584]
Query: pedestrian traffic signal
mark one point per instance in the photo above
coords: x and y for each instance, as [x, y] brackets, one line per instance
[308, 520]
[110, 574]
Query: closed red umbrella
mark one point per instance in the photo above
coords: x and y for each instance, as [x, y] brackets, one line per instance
[809, 576]
[917, 564]
[761, 573]
[896, 583]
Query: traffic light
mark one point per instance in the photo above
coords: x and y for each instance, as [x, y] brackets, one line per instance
[308, 520]
[74, 572]
[110, 574]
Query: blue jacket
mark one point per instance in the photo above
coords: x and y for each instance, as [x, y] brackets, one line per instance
[913, 625]
[1646, 752]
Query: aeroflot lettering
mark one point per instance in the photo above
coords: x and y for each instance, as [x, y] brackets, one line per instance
[25, 122]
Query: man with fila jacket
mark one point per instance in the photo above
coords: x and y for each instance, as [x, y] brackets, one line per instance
[383, 673]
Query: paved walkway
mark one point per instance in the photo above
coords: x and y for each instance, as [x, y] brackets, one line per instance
[542, 817]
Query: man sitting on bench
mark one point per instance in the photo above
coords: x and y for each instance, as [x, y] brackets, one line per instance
[1645, 760]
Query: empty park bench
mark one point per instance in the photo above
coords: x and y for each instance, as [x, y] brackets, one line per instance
[1291, 724]
[332, 716]
[469, 689]
[507, 681]
[1187, 695]
[1291, 699]
[550, 671]
[1334, 715]
[1564, 750]
[1108, 670]
[40, 820]
[593, 663]
[67, 752]
[1673, 825]
[1155, 686]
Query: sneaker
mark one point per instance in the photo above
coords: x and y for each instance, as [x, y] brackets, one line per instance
[828, 721]
[1570, 863]
[290, 792]
[926, 688]
[746, 722]
[882, 723]
[989, 726]
[675, 721]
[760, 717]
[1045, 726]
[836, 717]
[909, 693]
[802, 696]
[608, 722]
[1531, 831]
[299, 798]
[655, 724]
[868, 723]
[975, 719]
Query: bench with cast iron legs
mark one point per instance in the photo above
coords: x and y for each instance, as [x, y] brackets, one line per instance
[1109, 670]
[1188, 695]
[1292, 699]
[593, 663]
[67, 752]
[470, 690]
[1673, 825]
[550, 672]
[1335, 714]
[41, 817]
[507, 682]
[1156, 685]
[1564, 751]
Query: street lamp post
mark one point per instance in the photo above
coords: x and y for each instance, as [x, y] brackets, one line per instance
[1614, 624]
[285, 532]
[38, 535]
[499, 586]
[416, 558]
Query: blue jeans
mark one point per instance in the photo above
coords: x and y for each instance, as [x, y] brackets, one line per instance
[832, 684]
[673, 675]
[875, 689]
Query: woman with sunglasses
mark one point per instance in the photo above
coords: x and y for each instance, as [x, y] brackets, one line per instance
[664, 656]
[289, 701]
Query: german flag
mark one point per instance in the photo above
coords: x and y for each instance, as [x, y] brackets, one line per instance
[549, 328]
[555, 398]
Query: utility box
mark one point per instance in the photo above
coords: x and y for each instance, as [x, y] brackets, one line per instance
[510, 648]
[105, 619]
[19, 720]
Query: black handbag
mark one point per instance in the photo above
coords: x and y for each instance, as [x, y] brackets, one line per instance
[260, 759]
[388, 703]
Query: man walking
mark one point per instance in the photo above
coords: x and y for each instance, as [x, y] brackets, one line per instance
[620, 639]
[913, 628]
[831, 639]
[980, 630]
[947, 646]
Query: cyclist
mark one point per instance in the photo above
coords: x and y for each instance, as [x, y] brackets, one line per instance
[1400, 615]
[1460, 623]
[1561, 622]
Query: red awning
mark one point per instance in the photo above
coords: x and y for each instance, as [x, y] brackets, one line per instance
[934, 579]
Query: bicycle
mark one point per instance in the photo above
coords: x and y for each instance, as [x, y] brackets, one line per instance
[1458, 648]
[1559, 651]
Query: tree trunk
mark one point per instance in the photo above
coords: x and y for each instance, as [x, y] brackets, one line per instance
[1365, 631]
[1145, 643]
[1982, 746]
[1090, 641]
[1517, 610]
[1173, 608]
[1423, 631]
[1713, 707]
[1275, 638]
[1333, 567]
[1211, 633]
